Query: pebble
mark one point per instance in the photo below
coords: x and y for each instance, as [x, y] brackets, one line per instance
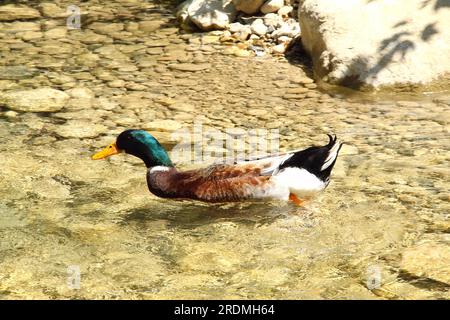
[80, 129]
[258, 27]
[17, 72]
[81, 93]
[56, 33]
[35, 100]
[12, 12]
[189, 67]
[285, 11]
[116, 83]
[310, 85]
[297, 90]
[271, 6]
[279, 48]
[162, 125]
[181, 106]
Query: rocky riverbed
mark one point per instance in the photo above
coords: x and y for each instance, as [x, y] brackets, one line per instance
[65, 93]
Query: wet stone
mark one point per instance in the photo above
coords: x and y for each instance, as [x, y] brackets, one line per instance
[428, 260]
[189, 67]
[163, 125]
[297, 90]
[17, 72]
[16, 12]
[37, 100]
[80, 129]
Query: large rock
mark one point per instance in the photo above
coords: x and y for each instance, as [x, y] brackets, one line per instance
[272, 6]
[206, 14]
[12, 12]
[377, 43]
[248, 6]
[35, 100]
[430, 260]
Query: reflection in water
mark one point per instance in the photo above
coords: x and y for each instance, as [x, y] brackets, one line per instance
[386, 208]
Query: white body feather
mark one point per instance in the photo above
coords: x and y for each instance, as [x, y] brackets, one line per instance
[293, 180]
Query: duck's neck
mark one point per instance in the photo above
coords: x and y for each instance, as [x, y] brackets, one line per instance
[143, 145]
[156, 158]
[153, 154]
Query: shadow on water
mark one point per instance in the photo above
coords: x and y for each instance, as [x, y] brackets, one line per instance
[297, 55]
[188, 214]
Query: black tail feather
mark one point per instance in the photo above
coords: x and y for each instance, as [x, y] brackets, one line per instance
[316, 159]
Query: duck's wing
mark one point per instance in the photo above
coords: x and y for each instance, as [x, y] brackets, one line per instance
[265, 166]
[220, 183]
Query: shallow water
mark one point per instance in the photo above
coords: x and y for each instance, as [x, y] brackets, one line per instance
[386, 211]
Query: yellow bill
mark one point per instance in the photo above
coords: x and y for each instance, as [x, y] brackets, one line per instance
[108, 151]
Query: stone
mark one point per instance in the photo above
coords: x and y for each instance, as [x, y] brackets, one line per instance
[35, 100]
[258, 27]
[118, 83]
[290, 28]
[150, 25]
[243, 34]
[19, 26]
[376, 43]
[236, 27]
[106, 28]
[17, 72]
[273, 20]
[181, 106]
[162, 125]
[279, 48]
[31, 35]
[94, 38]
[284, 39]
[80, 129]
[81, 93]
[165, 139]
[206, 15]
[238, 52]
[51, 10]
[428, 260]
[272, 6]
[10, 114]
[257, 112]
[189, 67]
[56, 33]
[297, 90]
[12, 12]
[248, 6]
[285, 11]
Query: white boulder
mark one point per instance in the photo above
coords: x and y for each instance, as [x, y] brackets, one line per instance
[258, 27]
[206, 14]
[272, 6]
[376, 43]
[285, 11]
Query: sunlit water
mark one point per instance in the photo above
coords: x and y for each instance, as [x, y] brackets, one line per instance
[388, 200]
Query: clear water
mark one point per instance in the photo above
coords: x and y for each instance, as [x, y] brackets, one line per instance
[388, 199]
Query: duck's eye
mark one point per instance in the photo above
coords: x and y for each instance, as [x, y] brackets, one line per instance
[110, 147]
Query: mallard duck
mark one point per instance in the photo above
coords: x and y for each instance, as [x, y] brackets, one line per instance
[295, 176]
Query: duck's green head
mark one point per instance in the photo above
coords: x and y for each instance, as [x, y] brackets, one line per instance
[139, 143]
